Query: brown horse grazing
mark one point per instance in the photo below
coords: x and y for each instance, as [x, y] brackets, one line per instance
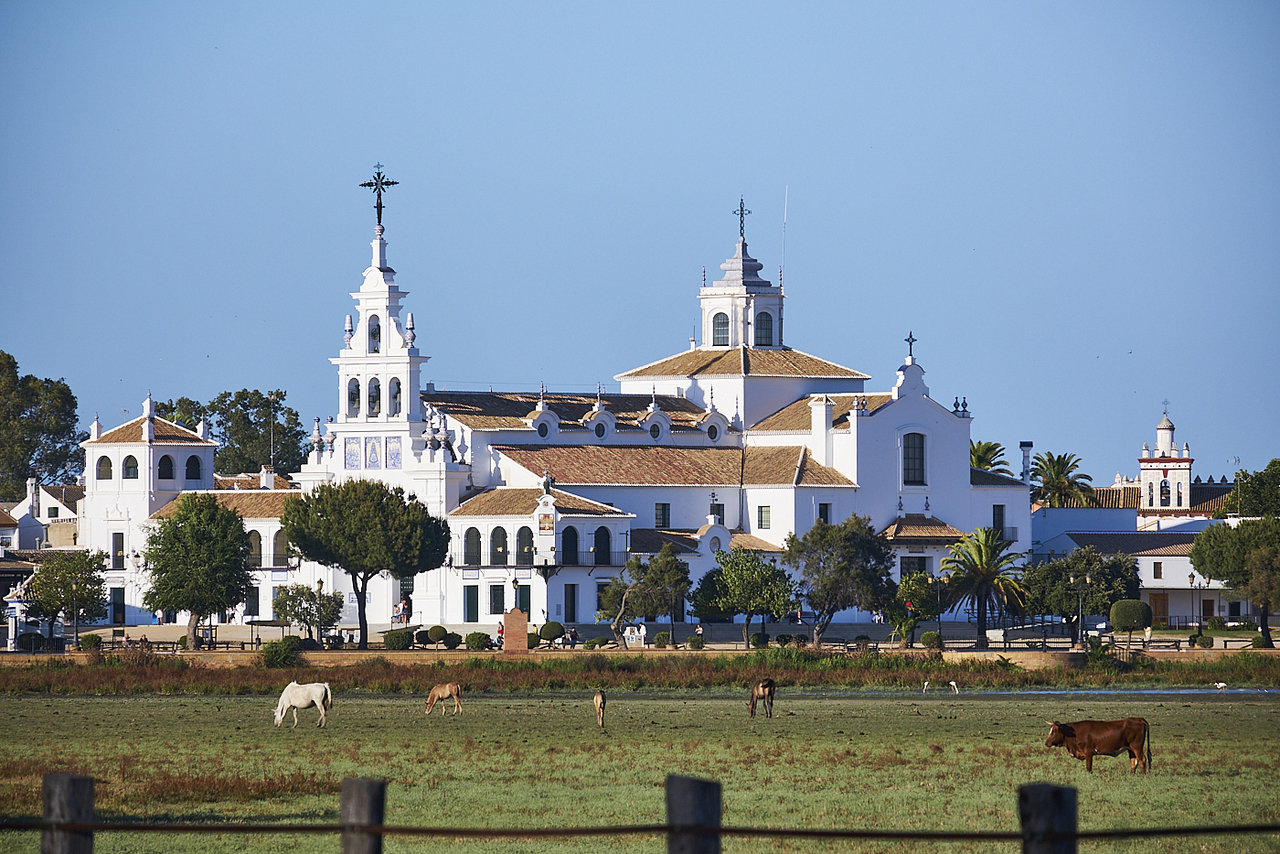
[600, 709]
[444, 691]
[762, 690]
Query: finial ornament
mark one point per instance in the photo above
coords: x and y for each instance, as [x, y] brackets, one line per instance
[911, 340]
[742, 217]
[1165, 403]
[379, 185]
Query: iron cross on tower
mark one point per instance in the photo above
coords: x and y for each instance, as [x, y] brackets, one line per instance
[742, 218]
[379, 185]
[911, 340]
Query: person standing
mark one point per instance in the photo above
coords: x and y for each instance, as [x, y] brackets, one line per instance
[644, 636]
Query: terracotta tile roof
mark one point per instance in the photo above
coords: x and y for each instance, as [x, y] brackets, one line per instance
[1135, 543]
[981, 477]
[38, 555]
[1208, 498]
[1113, 498]
[651, 540]
[741, 362]
[249, 503]
[69, 495]
[662, 465]
[7, 521]
[513, 501]
[750, 542]
[165, 432]
[795, 416]
[512, 411]
[249, 481]
[919, 529]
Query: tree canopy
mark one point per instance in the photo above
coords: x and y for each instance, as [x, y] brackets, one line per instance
[38, 435]
[1247, 557]
[644, 590]
[1055, 587]
[364, 528]
[988, 456]
[743, 583]
[984, 572]
[841, 566]
[307, 607]
[1057, 482]
[252, 428]
[71, 583]
[1255, 494]
[198, 558]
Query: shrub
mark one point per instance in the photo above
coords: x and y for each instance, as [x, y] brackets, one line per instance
[435, 634]
[182, 641]
[1258, 643]
[697, 642]
[30, 641]
[399, 639]
[1130, 615]
[478, 640]
[309, 645]
[662, 640]
[931, 640]
[423, 637]
[551, 631]
[1217, 623]
[759, 640]
[534, 640]
[783, 640]
[800, 641]
[1205, 641]
[285, 652]
[88, 642]
[453, 640]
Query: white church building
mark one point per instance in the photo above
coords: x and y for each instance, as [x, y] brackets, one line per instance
[738, 440]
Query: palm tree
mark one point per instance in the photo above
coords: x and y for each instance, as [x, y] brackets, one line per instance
[988, 456]
[982, 570]
[1055, 482]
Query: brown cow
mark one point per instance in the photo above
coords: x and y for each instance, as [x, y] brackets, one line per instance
[762, 690]
[1086, 739]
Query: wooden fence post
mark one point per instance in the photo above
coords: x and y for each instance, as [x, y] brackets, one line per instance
[692, 802]
[364, 804]
[67, 798]
[1045, 809]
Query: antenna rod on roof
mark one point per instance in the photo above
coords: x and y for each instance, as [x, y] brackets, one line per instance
[786, 193]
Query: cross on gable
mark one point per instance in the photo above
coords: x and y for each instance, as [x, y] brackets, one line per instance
[379, 185]
[911, 340]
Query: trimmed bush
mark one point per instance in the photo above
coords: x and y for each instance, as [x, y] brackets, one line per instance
[435, 634]
[783, 640]
[662, 640]
[551, 631]
[759, 640]
[1258, 643]
[88, 642]
[399, 639]
[800, 641]
[534, 640]
[1205, 641]
[931, 640]
[697, 642]
[453, 640]
[285, 652]
[308, 645]
[1130, 615]
[478, 640]
[422, 637]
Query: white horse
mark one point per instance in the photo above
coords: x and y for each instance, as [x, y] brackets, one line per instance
[297, 696]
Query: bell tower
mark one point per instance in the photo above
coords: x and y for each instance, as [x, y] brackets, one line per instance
[742, 309]
[1165, 474]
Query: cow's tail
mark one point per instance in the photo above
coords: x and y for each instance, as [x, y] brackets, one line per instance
[1147, 727]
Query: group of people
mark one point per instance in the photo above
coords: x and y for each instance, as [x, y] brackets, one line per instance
[402, 612]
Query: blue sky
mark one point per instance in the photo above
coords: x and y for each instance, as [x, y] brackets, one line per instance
[1075, 207]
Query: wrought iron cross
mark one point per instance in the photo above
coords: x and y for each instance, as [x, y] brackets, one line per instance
[911, 340]
[742, 217]
[379, 185]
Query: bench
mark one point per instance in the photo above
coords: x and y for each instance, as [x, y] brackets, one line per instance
[1162, 644]
[1237, 643]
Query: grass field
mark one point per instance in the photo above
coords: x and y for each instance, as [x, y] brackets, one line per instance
[936, 762]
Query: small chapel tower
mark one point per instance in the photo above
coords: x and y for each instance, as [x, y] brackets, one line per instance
[1165, 474]
[741, 309]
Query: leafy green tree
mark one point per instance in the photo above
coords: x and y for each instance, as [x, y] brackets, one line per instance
[1130, 614]
[840, 567]
[1256, 493]
[365, 528]
[988, 456]
[198, 557]
[1245, 557]
[71, 583]
[1055, 586]
[185, 411]
[984, 572]
[252, 428]
[745, 584]
[668, 581]
[625, 598]
[38, 435]
[1057, 482]
[913, 602]
[308, 607]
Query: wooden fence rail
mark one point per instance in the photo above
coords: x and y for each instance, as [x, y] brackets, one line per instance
[1047, 814]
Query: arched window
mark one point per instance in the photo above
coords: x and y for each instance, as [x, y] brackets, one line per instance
[913, 459]
[280, 549]
[471, 547]
[1164, 493]
[764, 329]
[498, 547]
[715, 544]
[602, 547]
[129, 471]
[104, 468]
[375, 397]
[524, 547]
[165, 469]
[375, 334]
[353, 397]
[393, 397]
[720, 330]
[1179, 493]
[194, 469]
[569, 546]
[255, 549]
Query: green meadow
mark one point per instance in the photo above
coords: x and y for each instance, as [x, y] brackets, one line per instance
[899, 760]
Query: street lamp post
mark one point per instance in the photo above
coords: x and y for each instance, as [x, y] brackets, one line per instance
[939, 582]
[1196, 585]
[1080, 607]
[319, 606]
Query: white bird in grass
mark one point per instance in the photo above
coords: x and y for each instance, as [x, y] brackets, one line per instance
[1220, 686]
[954, 687]
[926, 687]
